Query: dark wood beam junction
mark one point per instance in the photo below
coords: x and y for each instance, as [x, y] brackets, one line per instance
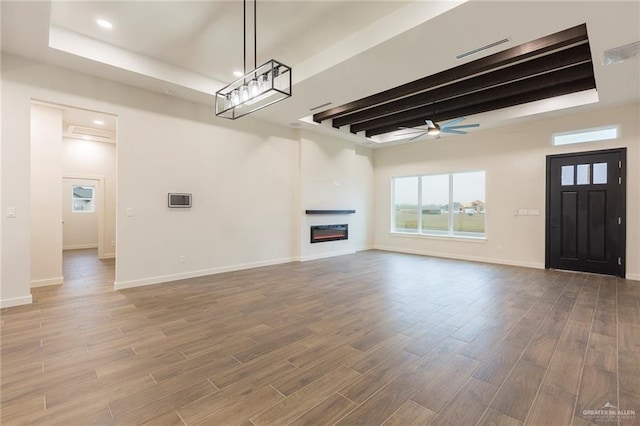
[539, 65]
[513, 55]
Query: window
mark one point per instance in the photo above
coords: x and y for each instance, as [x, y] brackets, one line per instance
[83, 199]
[585, 135]
[451, 204]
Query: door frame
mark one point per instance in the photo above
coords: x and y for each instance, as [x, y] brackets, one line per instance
[622, 204]
[99, 209]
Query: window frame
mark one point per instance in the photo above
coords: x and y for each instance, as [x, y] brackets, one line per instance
[74, 199]
[577, 132]
[450, 233]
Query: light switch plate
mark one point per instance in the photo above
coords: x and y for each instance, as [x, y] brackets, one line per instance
[11, 212]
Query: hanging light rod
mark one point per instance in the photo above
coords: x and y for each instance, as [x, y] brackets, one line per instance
[263, 86]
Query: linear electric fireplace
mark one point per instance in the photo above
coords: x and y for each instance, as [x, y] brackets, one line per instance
[322, 233]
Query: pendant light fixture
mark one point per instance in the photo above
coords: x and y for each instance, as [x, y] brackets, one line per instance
[265, 85]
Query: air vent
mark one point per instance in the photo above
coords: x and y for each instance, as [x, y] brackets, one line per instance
[480, 49]
[319, 106]
[89, 133]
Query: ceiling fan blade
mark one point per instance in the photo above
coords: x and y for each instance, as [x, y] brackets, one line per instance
[463, 126]
[455, 132]
[430, 124]
[452, 122]
[418, 136]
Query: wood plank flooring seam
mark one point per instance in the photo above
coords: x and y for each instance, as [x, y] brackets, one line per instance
[584, 358]
[547, 371]
[518, 360]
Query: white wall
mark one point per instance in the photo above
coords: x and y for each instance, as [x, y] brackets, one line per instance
[46, 196]
[364, 198]
[94, 159]
[514, 159]
[242, 179]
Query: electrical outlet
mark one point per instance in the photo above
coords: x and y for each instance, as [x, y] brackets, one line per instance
[183, 258]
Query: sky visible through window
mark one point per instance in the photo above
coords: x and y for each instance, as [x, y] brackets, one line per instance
[467, 187]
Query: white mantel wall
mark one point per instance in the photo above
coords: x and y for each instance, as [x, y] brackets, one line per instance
[334, 175]
[514, 158]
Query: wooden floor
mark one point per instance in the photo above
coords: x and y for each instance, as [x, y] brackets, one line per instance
[369, 338]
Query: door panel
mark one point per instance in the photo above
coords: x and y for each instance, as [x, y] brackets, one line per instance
[597, 226]
[585, 212]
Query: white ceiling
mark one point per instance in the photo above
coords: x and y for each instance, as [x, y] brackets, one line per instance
[340, 51]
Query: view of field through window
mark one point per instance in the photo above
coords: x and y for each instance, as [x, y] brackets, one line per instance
[445, 204]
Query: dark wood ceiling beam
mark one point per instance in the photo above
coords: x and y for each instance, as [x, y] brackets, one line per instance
[508, 56]
[519, 87]
[567, 57]
[505, 102]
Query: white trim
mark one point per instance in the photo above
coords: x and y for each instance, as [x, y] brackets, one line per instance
[364, 248]
[201, 273]
[80, 247]
[508, 262]
[587, 135]
[16, 301]
[632, 277]
[325, 255]
[442, 237]
[108, 256]
[47, 281]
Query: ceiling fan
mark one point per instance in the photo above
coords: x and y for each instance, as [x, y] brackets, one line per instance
[435, 129]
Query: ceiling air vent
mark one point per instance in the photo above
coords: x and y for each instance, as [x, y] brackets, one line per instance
[480, 49]
[319, 106]
[89, 133]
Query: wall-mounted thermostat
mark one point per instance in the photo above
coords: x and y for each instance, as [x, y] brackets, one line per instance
[179, 200]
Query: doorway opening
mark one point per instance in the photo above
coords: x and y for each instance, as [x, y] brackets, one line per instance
[586, 212]
[73, 193]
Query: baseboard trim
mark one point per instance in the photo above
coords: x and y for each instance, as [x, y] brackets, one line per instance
[326, 255]
[108, 256]
[16, 301]
[80, 247]
[507, 262]
[47, 281]
[633, 277]
[194, 274]
[365, 248]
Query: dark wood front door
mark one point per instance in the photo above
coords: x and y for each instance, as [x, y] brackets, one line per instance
[585, 221]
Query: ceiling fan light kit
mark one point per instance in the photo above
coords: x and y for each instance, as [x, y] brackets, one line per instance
[263, 86]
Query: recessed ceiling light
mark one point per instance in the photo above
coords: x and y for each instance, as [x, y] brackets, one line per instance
[98, 122]
[104, 24]
[238, 73]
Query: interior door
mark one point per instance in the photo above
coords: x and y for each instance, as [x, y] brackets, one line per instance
[585, 221]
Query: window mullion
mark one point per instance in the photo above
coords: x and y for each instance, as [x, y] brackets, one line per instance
[451, 212]
[419, 205]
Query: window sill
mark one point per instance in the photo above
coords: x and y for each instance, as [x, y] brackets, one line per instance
[440, 237]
